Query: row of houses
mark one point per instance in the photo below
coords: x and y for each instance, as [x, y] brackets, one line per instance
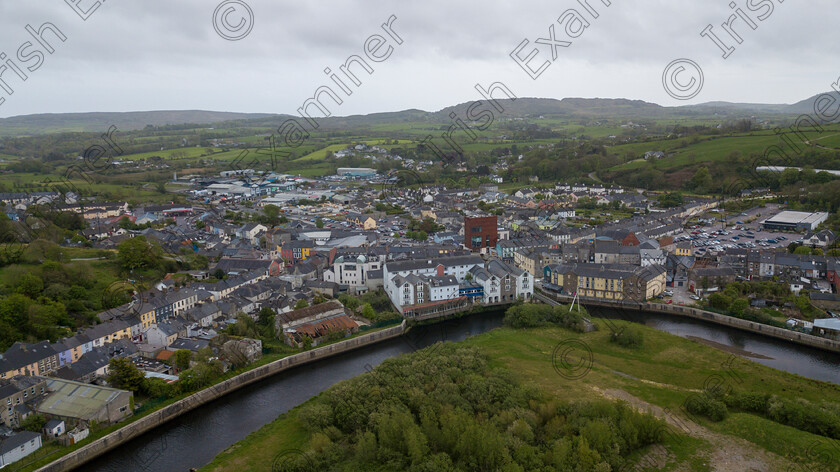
[418, 287]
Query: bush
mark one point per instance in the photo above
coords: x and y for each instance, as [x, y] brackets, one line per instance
[533, 316]
[630, 336]
[704, 405]
[752, 402]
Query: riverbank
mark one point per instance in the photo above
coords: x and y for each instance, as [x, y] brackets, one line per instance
[660, 376]
[155, 419]
[708, 316]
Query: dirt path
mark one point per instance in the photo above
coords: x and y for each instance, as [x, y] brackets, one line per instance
[730, 454]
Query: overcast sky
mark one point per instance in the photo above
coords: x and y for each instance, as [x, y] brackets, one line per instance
[132, 55]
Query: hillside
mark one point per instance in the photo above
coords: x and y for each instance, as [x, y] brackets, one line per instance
[95, 122]
[583, 107]
[801, 107]
[522, 107]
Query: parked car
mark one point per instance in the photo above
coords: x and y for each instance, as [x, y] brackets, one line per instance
[669, 301]
[694, 297]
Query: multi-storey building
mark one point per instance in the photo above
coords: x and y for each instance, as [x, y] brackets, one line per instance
[481, 233]
[354, 272]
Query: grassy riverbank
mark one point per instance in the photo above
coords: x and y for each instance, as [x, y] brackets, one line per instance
[660, 376]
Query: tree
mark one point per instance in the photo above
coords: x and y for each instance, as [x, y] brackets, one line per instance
[219, 274]
[368, 311]
[30, 285]
[670, 199]
[301, 304]
[181, 359]
[702, 180]
[272, 213]
[739, 306]
[125, 375]
[265, 319]
[803, 250]
[319, 223]
[34, 423]
[137, 253]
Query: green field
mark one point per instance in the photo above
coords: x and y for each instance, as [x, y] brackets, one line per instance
[321, 154]
[661, 374]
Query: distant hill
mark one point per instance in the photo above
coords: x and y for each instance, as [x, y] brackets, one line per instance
[802, 107]
[523, 107]
[584, 107]
[93, 122]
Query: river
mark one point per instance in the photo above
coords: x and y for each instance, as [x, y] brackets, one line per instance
[197, 437]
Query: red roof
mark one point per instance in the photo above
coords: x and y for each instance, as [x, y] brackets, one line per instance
[164, 355]
[325, 326]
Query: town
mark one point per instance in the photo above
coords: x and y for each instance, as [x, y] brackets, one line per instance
[291, 262]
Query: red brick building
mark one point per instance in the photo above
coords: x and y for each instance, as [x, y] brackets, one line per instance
[481, 234]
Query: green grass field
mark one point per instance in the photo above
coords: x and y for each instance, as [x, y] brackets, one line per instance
[321, 154]
[664, 372]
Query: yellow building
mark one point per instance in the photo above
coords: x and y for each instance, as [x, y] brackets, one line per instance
[148, 319]
[683, 249]
[607, 281]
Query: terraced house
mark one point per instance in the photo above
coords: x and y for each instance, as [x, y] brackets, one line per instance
[606, 281]
[15, 393]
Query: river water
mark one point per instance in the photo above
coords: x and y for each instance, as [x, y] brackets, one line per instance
[195, 438]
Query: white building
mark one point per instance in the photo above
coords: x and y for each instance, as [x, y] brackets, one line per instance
[417, 274]
[18, 446]
[352, 271]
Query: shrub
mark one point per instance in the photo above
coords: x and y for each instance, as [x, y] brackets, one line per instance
[704, 405]
[630, 336]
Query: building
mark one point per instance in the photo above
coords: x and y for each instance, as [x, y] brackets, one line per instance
[827, 328]
[794, 221]
[355, 172]
[317, 322]
[821, 240]
[363, 221]
[18, 446]
[481, 233]
[421, 289]
[705, 278]
[17, 392]
[354, 272]
[54, 428]
[29, 359]
[502, 283]
[604, 281]
[69, 400]
[294, 251]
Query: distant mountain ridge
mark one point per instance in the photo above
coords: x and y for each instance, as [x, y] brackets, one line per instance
[800, 107]
[521, 107]
[101, 121]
